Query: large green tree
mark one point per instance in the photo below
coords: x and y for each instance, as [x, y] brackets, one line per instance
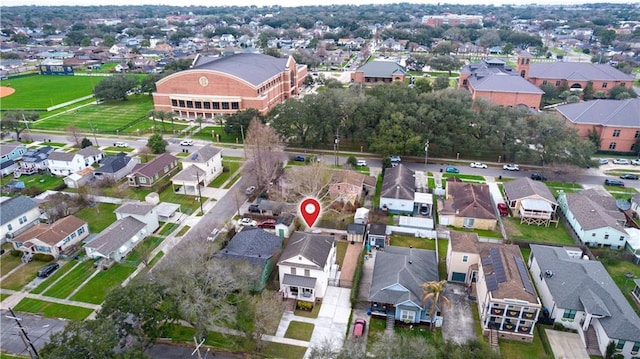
[157, 144]
[115, 87]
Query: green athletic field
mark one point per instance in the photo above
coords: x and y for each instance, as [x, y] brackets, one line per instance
[40, 92]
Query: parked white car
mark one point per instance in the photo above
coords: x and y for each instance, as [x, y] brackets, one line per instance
[478, 165]
[248, 222]
[361, 163]
[621, 161]
[186, 143]
[120, 144]
[603, 161]
[635, 162]
[511, 167]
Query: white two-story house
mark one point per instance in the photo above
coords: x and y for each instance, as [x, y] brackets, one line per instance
[307, 265]
[64, 164]
[199, 169]
[594, 218]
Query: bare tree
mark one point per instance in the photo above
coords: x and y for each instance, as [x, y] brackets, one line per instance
[74, 135]
[267, 312]
[312, 180]
[264, 149]
[145, 153]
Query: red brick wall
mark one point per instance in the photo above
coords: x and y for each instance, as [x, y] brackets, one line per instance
[510, 99]
[597, 84]
[623, 142]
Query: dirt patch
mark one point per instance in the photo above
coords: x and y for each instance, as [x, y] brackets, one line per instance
[6, 91]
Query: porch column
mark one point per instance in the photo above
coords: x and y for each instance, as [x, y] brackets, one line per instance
[587, 322]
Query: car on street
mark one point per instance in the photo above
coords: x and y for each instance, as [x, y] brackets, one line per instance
[120, 144]
[503, 210]
[267, 223]
[636, 162]
[613, 182]
[395, 158]
[299, 158]
[249, 191]
[361, 163]
[359, 327]
[538, 177]
[629, 176]
[478, 165]
[248, 222]
[511, 167]
[451, 169]
[603, 161]
[186, 143]
[46, 271]
[621, 161]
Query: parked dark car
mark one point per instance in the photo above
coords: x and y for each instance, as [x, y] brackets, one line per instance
[299, 158]
[359, 327]
[254, 208]
[538, 177]
[503, 210]
[267, 223]
[46, 271]
[613, 182]
[629, 176]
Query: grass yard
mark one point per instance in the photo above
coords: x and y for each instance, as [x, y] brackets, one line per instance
[144, 248]
[341, 251]
[183, 231]
[8, 263]
[309, 314]
[4, 296]
[208, 132]
[233, 180]
[52, 310]
[538, 234]
[115, 117]
[479, 232]
[284, 351]
[99, 216]
[224, 176]
[621, 192]
[376, 328]
[96, 289]
[57, 274]
[71, 281]
[617, 269]
[11, 356]
[22, 276]
[155, 259]
[42, 181]
[510, 349]
[168, 228]
[188, 204]
[560, 186]
[183, 334]
[118, 149]
[40, 92]
[299, 330]
[465, 178]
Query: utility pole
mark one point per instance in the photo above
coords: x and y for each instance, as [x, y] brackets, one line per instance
[199, 193]
[23, 334]
[93, 129]
[426, 155]
[244, 150]
[336, 141]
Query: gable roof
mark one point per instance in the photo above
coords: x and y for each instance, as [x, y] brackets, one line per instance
[113, 164]
[53, 233]
[577, 71]
[621, 113]
[313, 247]
[136, 208]
[398, 273]
[7, 148]
[398, 183]
[15, 207]
[383, 69]
[61, 156]
[250, 67]
[526, 187]
[586, 285]
[37, 155]
[154, 166]
[471, 200]
[89, 151]
[116, 235]
[593, 210]
[202, 155]
[254, 245]
[502, 82]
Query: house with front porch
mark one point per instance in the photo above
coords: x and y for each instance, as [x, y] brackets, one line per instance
[395, 289]
[532, 201]
[52, 239]
[143, 211]
[115, 242]
[307, 265]
[398, 190]
[198, 169]
[65, 163]
[11, 151]
[581, 295]
[595, 218]
[467, 205]
[148, 174]
[35, 160]
[497, 278]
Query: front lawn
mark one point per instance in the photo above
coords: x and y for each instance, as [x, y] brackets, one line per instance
[224, 176]
[96, 289]
[183, 231]
[283, 351]
[465, 178]
[71, 281]
[22, 276]
[52, 310]
[144, 249]
[57, 274]
[510, 349]
[299, 330]
[99, 216]
[621, 192]
[537, 234]
[309, 314]
[8, 263]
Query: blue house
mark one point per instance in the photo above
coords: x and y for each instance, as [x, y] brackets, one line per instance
[11, 151]
[395, 289]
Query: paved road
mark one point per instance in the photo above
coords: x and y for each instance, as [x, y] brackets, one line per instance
[38, 330]
[167, 351]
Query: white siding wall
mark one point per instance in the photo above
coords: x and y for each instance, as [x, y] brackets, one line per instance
[393, 204]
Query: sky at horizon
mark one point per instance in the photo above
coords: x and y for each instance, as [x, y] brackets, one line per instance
[290, 3]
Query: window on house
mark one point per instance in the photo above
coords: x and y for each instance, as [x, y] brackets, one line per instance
[616, 133]
[293, 271]
[235, 106]
[622, 238]
[207, 105]
[606, 236]
[216, 105]
[544, 82]
[612, 146]
[198, 104]
[636, 347]
[225, 105]
[558, 83]
[593, 234]
[181, 103]
[174, 103]
[142, 180]
[468, 222]
[569, 314]
[9, 227]
[465, 259]
[620, 344]
[307, 273]
[604, 85]
[189, 104]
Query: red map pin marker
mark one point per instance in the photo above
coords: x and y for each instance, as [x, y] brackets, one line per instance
[310, 211]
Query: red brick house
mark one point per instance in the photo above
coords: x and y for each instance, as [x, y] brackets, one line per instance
[375, 72]
[617, 122]
[228, 84]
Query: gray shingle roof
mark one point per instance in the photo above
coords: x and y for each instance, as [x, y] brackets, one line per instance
[299, 281]
[314, 247]
[578, 283]
[526, 187]
[189, 174]
[383, 69]
[154, 166]
[253, 245]
[89, 151]
[36, 156]
[593, 210]
[116, 235]
[253, 68]
[578, 71]
[138, 208]
[398, 183]
[622, 113]
[61, 156]
[356, 228]
[202, 155]
[378, 229]
[113, 164]
[408, 267]
[502, 82]
[14, 207]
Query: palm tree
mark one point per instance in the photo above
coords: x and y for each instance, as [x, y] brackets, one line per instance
[434, 290]
[200, 120]
[162, 116]
[171, 115]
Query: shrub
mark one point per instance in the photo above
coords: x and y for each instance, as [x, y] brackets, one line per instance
[41, 257]
[357, 275]
[302, 305]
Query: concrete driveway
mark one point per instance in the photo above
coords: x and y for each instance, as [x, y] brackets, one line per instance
[331, 324]
[458, 319]
[566, 345]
